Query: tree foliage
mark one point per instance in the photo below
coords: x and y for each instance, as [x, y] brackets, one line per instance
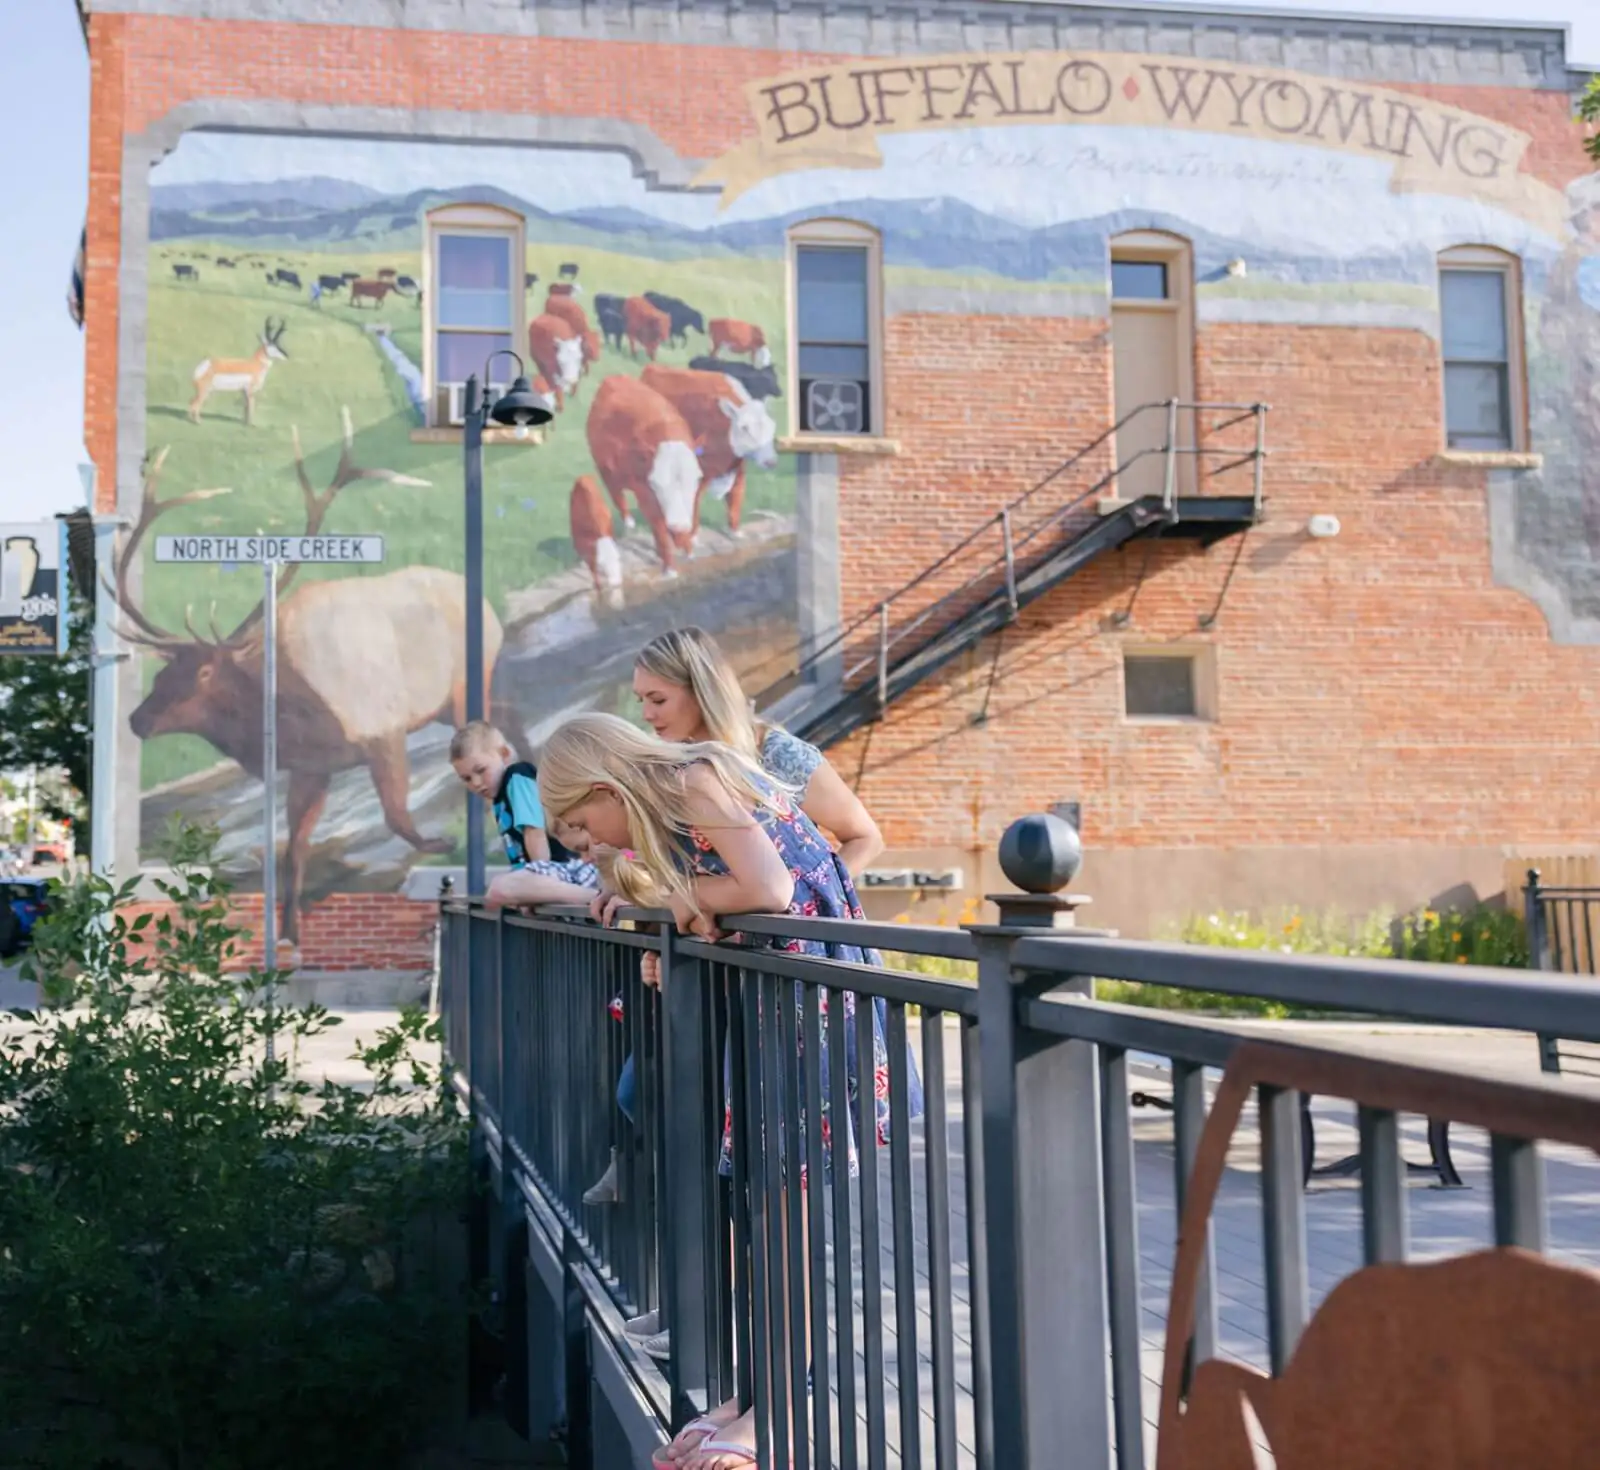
[1589, 112]
[206, 1261]
[44, 710]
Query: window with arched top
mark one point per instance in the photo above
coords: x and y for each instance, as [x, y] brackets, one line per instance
[1480, 342]
[836, 329]
[474, 301]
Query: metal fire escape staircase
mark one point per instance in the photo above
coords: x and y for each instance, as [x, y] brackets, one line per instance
[1030, 546]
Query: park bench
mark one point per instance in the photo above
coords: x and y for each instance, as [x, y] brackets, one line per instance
[1562, 924]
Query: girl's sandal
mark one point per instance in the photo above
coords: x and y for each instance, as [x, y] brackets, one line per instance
[704, 1427]
[747, 1457]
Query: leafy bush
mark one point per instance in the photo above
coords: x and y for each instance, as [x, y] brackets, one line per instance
[1292, 932]
[1478, 936]
[205, 1260]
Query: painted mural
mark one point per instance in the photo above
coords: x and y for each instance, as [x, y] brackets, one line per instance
[286, 390]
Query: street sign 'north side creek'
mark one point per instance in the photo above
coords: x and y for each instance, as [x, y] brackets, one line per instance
[321, 549]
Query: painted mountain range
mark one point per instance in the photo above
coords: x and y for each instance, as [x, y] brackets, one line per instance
[932, 233]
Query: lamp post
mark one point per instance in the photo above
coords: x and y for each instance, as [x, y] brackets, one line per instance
[519, 409]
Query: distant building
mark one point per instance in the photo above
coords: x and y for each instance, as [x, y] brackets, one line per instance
[953, 258]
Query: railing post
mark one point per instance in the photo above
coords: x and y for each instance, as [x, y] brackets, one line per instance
[1011, 560]
[1169, 493]
[1539, 958]
[513, 1218]
[1048, 1374]
[1261, 452]
[689, 1159]
[883, 657]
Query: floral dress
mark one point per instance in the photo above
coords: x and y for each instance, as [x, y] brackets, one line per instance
[822, 889]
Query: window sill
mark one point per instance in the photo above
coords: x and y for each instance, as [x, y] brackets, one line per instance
[1178, 720]
[444, 434]
[1489, 459]
[837, 444]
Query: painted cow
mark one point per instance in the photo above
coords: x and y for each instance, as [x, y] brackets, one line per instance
[557, 351]
[757, 382]
[641, 445]
[608, 312]
[566, 309]
[743, 339]
[684, 318]
[594, 541]
[731, 428]
[644, 326]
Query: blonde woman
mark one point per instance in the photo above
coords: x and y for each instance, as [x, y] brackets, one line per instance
[689, 691]
[702, 830]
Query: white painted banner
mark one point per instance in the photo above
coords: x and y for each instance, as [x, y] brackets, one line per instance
[321, 549]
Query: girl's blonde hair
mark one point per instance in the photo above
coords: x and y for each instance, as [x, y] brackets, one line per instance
[691, 659]
[649, 776]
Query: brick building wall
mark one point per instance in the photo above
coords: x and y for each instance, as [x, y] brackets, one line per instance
[1390, 720]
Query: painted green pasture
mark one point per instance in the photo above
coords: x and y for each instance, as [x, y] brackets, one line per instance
[332, 362]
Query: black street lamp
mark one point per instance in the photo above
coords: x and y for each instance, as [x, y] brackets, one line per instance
[519, 409]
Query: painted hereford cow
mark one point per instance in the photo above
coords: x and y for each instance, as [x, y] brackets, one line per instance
[644, 326]
[594, 540]
[557, 351]
[641, 445]
[564, 308]
[730, 428]
[743, 339]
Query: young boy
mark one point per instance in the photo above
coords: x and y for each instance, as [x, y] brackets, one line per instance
[542, 869]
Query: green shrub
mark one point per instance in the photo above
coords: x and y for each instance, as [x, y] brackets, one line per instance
[1478, 936]
[1290, 931]
[205, 1260]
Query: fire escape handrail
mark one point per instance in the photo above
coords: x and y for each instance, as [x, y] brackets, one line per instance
[1006, 564]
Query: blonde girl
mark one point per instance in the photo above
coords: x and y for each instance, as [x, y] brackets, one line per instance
[702, 830]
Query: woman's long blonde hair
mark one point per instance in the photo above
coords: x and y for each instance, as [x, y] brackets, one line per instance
[691, 659]
[649, 776]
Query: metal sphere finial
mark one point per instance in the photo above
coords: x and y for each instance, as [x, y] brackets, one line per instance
[1041, 853]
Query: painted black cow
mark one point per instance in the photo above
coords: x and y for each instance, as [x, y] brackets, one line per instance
[185, 272]
[608, 312]
[759, 382]
[684, 318]
[282, 277]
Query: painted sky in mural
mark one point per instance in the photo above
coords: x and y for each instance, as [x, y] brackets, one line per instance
[1017, 217]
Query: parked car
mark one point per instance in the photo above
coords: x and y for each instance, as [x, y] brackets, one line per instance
[49, 852]
[23, 902]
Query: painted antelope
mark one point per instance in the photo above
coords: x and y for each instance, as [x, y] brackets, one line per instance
[238, 374]
[362, 663]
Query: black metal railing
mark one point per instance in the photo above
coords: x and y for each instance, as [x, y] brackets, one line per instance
[948, 1298]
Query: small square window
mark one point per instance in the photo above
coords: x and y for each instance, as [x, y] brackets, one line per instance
[1161, 686]
[1138, 280]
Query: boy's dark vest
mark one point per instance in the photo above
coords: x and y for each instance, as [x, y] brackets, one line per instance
[516, 849]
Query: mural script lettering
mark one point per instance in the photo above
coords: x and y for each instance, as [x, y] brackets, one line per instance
[831, 118]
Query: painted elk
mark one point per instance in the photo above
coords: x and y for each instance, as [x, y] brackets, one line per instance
[238, 374]
[362, 663]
